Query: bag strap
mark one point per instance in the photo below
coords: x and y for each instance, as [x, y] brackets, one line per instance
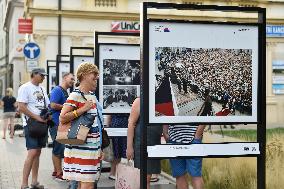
[43, 102]
[64, 92]
[43, 97]
[99, 117]
[101, 123]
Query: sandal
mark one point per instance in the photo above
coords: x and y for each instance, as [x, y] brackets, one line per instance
[37, 186]
[111, 177]
[25, 187]
[154, 179]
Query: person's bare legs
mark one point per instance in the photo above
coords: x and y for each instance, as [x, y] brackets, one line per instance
[5, 125]
[87, 185]
[12, 127]
[197, 183]
[35, 167]
[57, 163]
[32, 154]
[182, 182]
[53, 162]
[113, 166]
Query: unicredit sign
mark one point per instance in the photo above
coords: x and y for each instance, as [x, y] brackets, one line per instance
[125, 26]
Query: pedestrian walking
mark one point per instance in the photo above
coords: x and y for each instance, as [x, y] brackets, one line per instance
[58, 97]
[8, 103]
[82, 162]
[33, 102]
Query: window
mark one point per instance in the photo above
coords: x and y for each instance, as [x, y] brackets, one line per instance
[105, 3]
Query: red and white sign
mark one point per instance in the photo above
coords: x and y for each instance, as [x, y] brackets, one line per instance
[25, 26]
[124, 26]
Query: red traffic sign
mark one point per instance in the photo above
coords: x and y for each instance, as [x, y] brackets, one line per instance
[25, 26]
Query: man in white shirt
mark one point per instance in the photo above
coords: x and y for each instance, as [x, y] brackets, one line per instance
[32, 99]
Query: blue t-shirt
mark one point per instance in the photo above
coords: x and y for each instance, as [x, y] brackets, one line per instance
[57, 96]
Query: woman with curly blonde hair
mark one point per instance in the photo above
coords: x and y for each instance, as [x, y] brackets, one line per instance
[82, 162]
[9, 104]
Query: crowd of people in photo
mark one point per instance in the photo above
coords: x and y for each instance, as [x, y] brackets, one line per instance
[117, 95]
[227, 72]
[121, 72]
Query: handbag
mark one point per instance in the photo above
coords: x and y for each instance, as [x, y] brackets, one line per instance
[105, 138]
[127, 176]
[108, 153]
[37, 129]
[76, 131]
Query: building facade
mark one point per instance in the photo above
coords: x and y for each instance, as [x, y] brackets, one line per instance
[3, 57]
[60, 24]
[14, 44]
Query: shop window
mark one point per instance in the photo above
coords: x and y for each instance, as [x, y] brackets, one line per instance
[105, 3]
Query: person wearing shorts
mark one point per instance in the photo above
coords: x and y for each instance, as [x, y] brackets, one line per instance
[185, 134]
[58, 97]
[8, 103]
[32, 99]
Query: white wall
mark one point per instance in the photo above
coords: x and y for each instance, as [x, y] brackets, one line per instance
[14, 36]
[45, 4]
[45, 23]
[275, 11]
[19, 67]
[66, 42]
[88, 41]
[72, 4]
[51, 47]
[85, 25]
[2, 85]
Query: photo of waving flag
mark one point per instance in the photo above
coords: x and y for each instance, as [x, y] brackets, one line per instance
[163, 97]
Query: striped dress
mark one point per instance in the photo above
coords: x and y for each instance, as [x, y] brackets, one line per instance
[82, 162]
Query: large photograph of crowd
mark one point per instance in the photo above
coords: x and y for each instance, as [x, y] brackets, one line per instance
[121, 72]
[204, 81]
[119, 98]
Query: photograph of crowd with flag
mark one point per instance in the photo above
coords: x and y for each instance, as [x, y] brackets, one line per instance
[203, 81]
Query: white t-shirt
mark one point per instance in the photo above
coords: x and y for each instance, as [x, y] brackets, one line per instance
[32, 95]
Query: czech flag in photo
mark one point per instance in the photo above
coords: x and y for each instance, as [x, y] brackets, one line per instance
[163, 98]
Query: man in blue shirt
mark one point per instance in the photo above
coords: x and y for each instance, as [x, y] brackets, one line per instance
[58, 97]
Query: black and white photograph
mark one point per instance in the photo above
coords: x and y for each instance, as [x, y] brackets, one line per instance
[121, 72]
[63, 69]
[119, 97]
[51, 77]
[119, 66]
[200, 78]
[204, 82]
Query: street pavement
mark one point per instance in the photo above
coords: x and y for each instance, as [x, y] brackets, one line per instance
[12, 156]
